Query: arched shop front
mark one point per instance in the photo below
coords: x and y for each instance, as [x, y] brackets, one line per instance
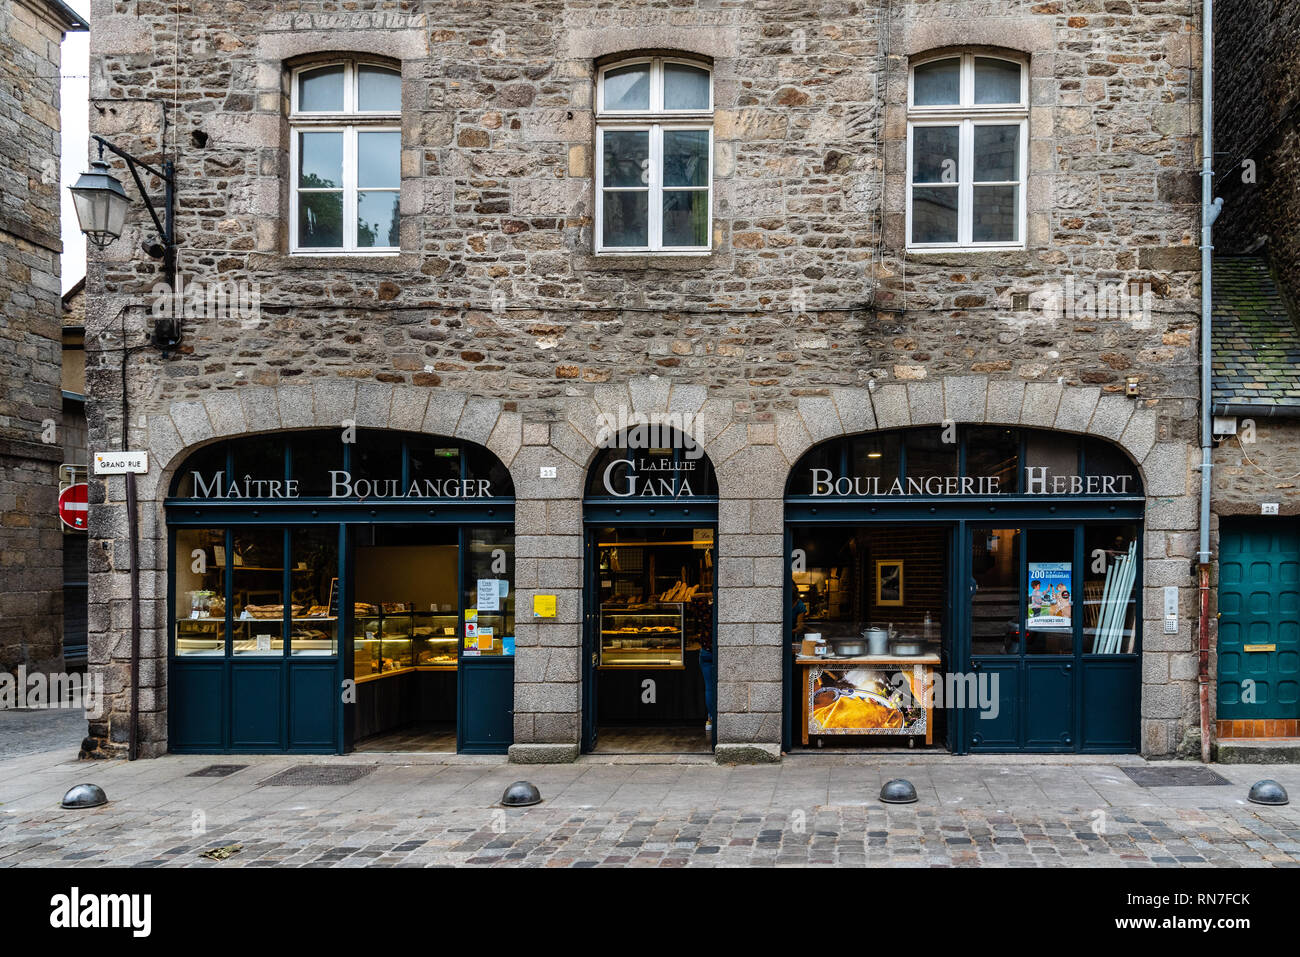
[650, 518]
[333, 590]
[998, 568]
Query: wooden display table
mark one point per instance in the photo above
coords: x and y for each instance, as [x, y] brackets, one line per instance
[923, 668]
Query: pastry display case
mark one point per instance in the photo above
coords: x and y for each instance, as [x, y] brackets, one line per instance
[312, 633]
[433, 639]
[201, 636]
[391, 638]
[642, 636]
[258, 629]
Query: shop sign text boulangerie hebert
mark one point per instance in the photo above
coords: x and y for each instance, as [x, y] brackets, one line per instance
[1037, 482]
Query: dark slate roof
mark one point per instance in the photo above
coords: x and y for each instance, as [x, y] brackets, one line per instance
[1256, 341]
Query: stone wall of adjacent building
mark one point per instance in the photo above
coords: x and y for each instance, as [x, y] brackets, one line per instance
[31, 569]
[1260, 464]
[808, 320]
[1257, 135]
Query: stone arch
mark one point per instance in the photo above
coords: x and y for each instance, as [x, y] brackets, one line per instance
[600, 41]
[401, 44]
[979, 400]
[325, 403]
[1021, 34]
[708, 421]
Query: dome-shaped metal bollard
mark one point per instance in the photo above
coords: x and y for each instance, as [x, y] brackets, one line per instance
[83, 796]
[521, 794]
[1268, 791]
[898, 791]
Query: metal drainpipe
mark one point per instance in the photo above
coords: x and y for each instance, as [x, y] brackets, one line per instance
[1209, 212]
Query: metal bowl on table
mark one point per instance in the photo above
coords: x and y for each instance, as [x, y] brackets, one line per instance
[907, 648]
[850, 648]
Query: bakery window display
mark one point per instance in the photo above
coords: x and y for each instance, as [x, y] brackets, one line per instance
[642, 636]
[390, 638]
[201, 592]
[257, 584]
[313, 578]
[433, 639]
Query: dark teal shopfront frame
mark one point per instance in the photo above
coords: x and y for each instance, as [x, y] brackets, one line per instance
[286, 704]
[289, 705]
[1071, 703]
[1104, 701]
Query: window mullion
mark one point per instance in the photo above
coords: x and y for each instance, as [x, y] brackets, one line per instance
[655, 217]
[349, 188]
[965, 183]
[598, 168]
[294, 198]
[1022, 193]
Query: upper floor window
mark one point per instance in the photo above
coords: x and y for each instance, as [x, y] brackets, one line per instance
[654, 156]
[346, 157]
[967, 153]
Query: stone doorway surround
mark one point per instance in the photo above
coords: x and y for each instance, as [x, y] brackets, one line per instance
[752, 454]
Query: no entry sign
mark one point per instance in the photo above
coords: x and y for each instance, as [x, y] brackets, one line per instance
[72, 506]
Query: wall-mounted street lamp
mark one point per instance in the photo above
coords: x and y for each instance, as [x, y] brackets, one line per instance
[101, 204]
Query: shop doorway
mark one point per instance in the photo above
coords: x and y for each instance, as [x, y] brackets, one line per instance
[651, 675]
[405, 637]
[1053, 636]
[432, 638]
[649, 650]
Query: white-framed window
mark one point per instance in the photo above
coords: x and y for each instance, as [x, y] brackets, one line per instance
[345, 158]
[967, 152]
[654, 156]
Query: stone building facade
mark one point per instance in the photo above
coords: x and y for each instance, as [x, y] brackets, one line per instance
[31, 404]
[1256, 499]
[806, 319]
[1256, 91]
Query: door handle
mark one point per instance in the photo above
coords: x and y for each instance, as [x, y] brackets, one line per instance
[1068, 666]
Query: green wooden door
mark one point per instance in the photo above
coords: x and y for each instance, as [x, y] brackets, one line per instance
[1259, 619]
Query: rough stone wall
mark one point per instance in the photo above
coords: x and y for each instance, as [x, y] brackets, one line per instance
[807, 300]
[31, 569]
[1257, 94]
[1264, 467]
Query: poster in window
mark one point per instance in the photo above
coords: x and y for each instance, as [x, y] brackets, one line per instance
[1050, 604]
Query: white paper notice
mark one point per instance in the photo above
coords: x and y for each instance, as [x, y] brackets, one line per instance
[487, 595]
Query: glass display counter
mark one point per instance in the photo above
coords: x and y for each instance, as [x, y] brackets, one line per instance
[201, 636]
[433, 636]
[642, 636]
[312, 635]
[391, 642]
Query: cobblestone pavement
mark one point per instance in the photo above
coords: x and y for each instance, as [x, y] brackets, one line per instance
[408, 810]
[28, 731]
